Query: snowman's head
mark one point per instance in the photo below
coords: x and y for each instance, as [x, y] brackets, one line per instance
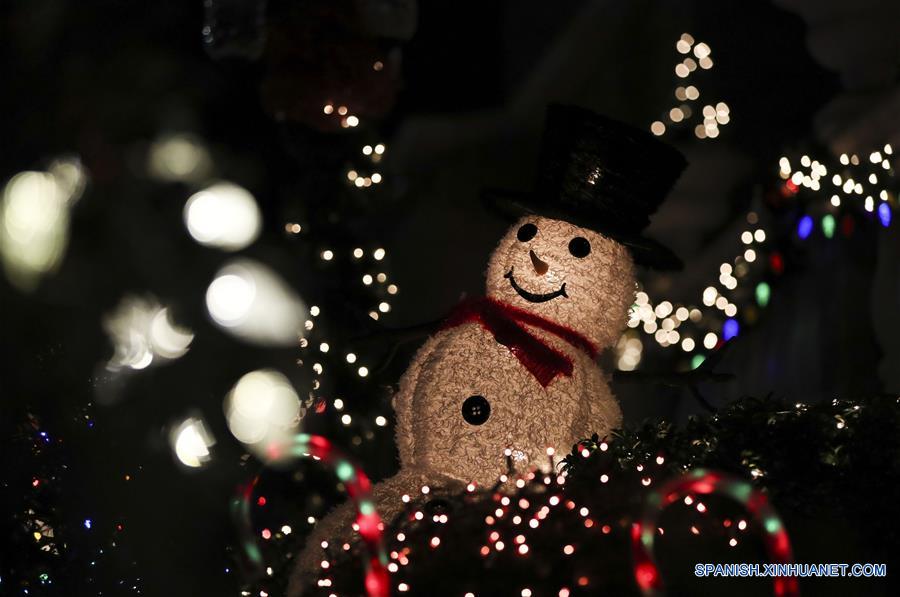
[571, 275]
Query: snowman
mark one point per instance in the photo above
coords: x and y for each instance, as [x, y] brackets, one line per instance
[515, 373]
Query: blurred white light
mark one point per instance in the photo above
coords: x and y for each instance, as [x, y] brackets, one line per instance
[34, 220]
[179, 157]
[141, 330]
[70, 178]
[262, 409]
[224, 216]
[229, 298]
[191, 442]
[168, 340]
[252, 302]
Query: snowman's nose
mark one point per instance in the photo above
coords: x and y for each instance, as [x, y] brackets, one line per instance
[540, 267]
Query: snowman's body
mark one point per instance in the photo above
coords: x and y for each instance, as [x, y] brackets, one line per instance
[561, 276]
[525, 418]
[573, 279]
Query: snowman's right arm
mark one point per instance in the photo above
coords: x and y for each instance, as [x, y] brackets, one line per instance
[404, 400]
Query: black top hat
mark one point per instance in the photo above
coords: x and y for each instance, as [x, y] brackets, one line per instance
[601, 174]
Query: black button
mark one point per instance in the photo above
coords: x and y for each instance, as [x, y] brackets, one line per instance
[476, 410]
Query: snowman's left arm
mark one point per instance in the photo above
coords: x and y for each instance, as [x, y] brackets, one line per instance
[404, 402]
[603, 412]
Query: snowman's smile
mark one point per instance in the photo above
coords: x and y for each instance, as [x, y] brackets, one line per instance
[532, 297]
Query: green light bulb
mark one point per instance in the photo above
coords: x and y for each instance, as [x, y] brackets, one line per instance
[828, 225]
[344, 470]
[763, 292]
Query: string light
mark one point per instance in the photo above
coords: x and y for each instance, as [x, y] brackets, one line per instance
[714, 116]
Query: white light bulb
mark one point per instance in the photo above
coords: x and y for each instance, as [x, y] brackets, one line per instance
[224, 216]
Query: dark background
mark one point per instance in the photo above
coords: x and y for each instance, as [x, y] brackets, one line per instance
[102, 79]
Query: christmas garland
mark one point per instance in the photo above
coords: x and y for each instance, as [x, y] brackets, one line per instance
[567, 532]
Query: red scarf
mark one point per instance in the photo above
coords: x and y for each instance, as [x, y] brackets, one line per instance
[504, 323]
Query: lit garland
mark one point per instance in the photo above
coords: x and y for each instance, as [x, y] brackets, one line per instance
[370, 268]
[374, 154]
[368, 524]
[722, 310]
[723, 307]
[57, 539]
[867, 179]
[320, 351]
[347, 119]
[680, 116]
[561, 533]
[704, 326]
[702, 482]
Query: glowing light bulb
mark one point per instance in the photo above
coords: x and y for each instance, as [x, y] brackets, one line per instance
[252, 302]
[884, 214]
[828, 225]
[224, 216]
[262, 409]
[804, 227]
[191, 442]
[179, 157]
[730, 329]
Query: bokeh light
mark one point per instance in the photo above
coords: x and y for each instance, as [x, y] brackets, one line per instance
[224, 216]
[141, 330]
[34, 221]
[805, 227]
[191, 441]
[250, 301]
[262, 409]
[179, 157]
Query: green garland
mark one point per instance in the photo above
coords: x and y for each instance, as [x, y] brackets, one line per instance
[832, 470]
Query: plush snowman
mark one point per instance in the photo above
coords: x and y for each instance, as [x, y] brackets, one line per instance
[515, 373]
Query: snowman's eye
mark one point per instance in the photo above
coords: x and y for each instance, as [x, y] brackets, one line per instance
[526, 232]
[579, 247]
[476, 410]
